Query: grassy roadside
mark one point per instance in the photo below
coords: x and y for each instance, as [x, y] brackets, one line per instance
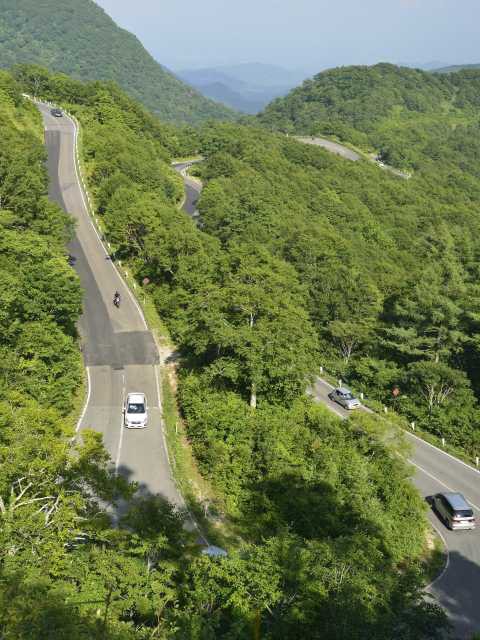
[434, 559]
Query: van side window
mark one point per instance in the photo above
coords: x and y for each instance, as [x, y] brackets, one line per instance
[447, 506]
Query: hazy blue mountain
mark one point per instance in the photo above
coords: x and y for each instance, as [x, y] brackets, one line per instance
[245, 87]
[424, 66]
[264, 75]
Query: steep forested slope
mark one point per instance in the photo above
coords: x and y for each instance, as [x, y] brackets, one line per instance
[390, 266]
[408, 116]
[332, 527]
[77, 37]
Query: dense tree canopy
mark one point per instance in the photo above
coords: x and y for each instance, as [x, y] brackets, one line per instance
[407, 116]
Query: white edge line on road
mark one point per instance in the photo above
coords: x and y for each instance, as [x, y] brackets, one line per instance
[159, 395]
[87, 400]
[449, 455]
[122, 429]
[412, 435]
[79, 181]
[447, 561]
[430, 475]
[162, 428]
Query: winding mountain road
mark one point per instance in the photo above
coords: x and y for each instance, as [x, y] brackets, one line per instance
[121, 356]
[119, 351]
[457, 589]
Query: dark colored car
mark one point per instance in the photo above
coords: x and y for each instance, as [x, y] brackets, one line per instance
[58, 113]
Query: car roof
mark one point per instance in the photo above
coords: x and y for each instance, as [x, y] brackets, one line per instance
[343, 390]
[456, 500]
[136, 397]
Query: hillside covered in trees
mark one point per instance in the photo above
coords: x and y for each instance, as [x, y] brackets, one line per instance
[409, 117]
[78, 38]
[330, 530]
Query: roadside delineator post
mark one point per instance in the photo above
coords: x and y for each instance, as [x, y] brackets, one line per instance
[385, 409]
[477, 461]
[361, 395]
[340, 383]
[443, 442]
[321, 369]
[412, 424]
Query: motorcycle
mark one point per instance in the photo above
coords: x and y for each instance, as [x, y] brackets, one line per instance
[116, 300]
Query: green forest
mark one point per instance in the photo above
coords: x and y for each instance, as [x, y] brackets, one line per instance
[330, 531]
[410, 118]
[77, 37]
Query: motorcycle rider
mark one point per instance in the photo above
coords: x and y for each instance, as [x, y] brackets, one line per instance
[116, 299]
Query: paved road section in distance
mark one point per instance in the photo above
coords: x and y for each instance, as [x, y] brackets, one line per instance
[458, 588]
[192, 188]
[333, 147]
[119, 352]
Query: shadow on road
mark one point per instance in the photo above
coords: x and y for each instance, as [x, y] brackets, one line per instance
[457, 590]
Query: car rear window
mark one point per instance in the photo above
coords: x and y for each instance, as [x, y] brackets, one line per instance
[464, 513]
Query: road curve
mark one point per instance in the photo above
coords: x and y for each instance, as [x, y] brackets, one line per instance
[457, 589]
[192, 187]
[333, 147]
[119, 352]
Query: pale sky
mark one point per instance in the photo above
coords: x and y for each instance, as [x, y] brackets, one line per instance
[302, 34]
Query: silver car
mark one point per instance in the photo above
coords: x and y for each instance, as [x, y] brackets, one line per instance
[344, 398]
[454, 510]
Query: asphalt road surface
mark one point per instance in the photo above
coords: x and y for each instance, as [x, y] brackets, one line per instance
[333, 147]
[458, 588]
[119, 352]
[192, 188]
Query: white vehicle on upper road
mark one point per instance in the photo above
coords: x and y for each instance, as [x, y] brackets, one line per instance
[135, 412]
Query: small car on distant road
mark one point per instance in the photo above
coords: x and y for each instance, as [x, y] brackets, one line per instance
[57, 113]
[454, 510]
[345, 398]
[135, 411]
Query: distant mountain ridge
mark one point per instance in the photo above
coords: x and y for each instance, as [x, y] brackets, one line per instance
[246, 87]
[456, 67]
[78, 38]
